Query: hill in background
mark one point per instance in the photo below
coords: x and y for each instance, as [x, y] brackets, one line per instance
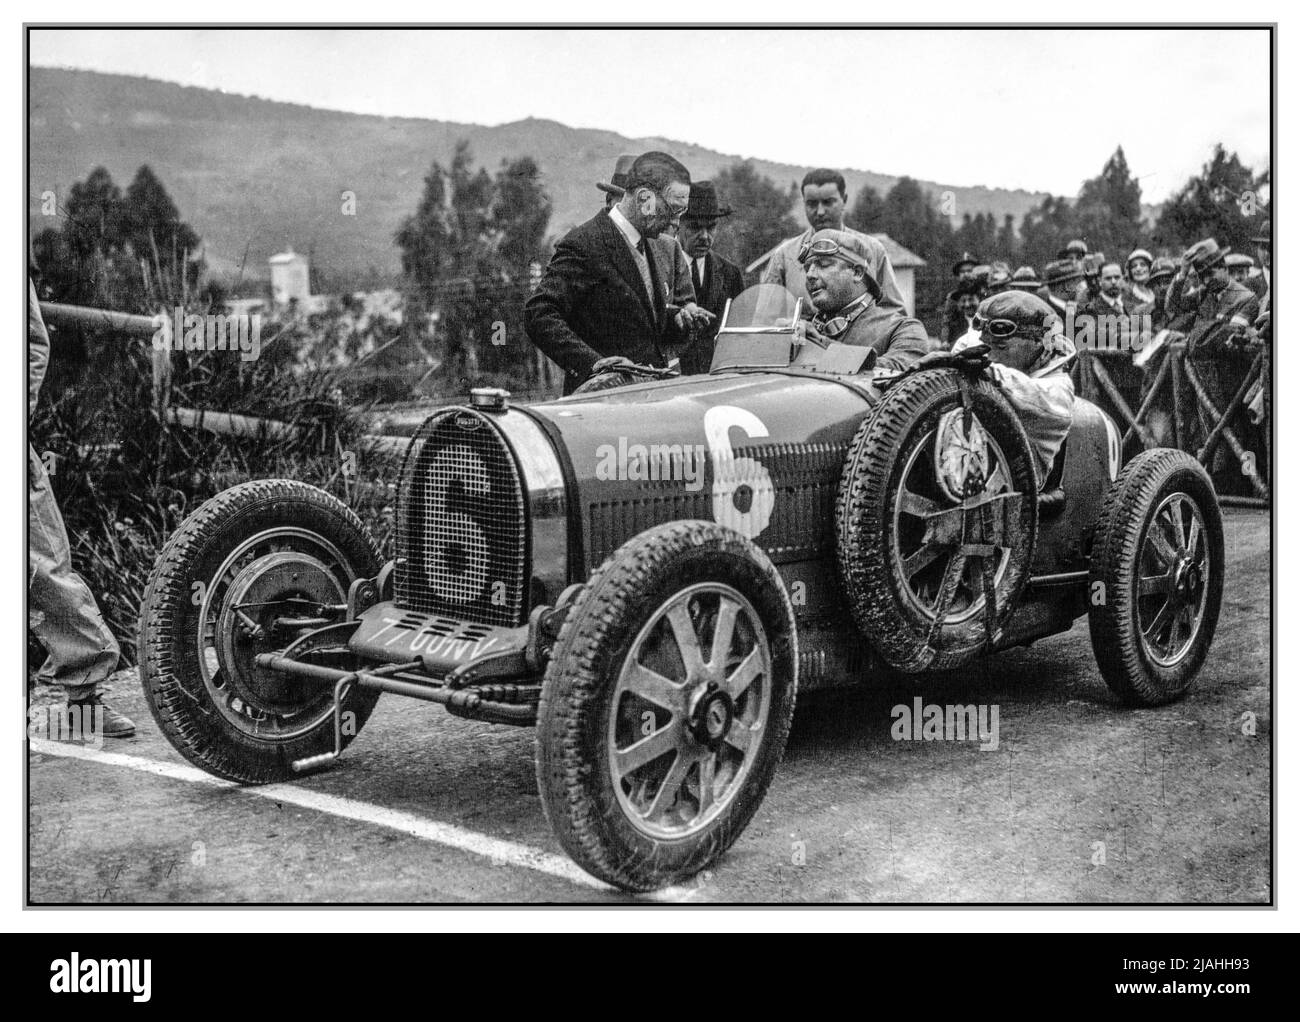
[255, 177]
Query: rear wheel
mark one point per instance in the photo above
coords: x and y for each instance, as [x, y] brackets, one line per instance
[258, 568]
[666, 704]
[1156, 577]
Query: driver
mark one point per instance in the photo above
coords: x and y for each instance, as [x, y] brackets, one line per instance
[1031, 360]
[837, 269]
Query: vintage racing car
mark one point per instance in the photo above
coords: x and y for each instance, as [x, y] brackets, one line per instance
[649, 574]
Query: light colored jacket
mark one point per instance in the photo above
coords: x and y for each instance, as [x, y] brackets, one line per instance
[1043, 398]
[38, 348]
[784, 269]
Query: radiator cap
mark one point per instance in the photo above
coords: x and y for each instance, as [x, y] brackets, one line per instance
[490, 399]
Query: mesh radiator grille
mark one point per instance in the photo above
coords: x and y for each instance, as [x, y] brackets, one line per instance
[462, 547]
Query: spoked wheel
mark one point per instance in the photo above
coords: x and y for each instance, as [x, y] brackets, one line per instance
[937, 509]
[666, 704]
[258, 568]
[1174, 580]
[1156, 576]
[690, 702]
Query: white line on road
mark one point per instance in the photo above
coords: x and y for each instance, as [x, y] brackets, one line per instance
[499, 852]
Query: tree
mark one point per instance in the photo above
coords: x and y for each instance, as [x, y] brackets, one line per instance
[911, 218]
[521, 212]
[161, 242]
[1109, 209]
[867, 212]
[1046, 230]
[1008, 244]
[762, 218]
[1222, 202]
[132, 253]
[94, 215]
[465, 253]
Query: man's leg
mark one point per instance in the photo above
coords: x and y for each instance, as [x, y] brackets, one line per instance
[66, 619]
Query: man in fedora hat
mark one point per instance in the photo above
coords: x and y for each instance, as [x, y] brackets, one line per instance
[837, 268]
[1204, 291]
[1061, 279]
[1075, 250]
[824, 195]
[1025, 279]
[615, 285]
[617, 184]
[714, 279]
[1213, 310]
[1241, 268]
[1162, 275]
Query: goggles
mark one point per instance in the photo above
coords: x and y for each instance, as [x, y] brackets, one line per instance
[996, 327]
[828, 249]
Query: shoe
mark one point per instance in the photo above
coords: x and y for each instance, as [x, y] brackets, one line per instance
[111, 723]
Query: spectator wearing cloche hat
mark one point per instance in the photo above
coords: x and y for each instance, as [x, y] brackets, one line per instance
[1137, 278]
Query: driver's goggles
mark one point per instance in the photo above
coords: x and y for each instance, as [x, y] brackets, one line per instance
[826, 247]
[996, 327]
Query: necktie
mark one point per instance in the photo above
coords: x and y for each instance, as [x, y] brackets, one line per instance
[697, 278]
[643, 264]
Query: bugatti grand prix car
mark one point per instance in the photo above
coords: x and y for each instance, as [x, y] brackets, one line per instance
[648, 573]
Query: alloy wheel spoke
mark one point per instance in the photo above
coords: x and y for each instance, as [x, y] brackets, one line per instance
[708, 770]
[1167, 612]
[914, 504]
[648, 749]
[1193, 536]
[654, 687]
[1150, 585]
[1180, 524]
[723, 631]
[739, 737]
[1160, 543]
[922, 559]
[688, 641]
[745, 674]
[672, 784]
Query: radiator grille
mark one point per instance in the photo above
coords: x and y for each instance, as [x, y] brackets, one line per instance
[462, 547]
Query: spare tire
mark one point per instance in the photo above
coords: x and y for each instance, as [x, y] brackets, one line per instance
[921, 538]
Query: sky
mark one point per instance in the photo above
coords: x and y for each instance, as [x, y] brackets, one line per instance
[1037, 109]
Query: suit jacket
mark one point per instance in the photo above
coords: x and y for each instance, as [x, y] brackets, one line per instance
[1111, 328]
[723, 280]
[1213, 315]
[591, 302]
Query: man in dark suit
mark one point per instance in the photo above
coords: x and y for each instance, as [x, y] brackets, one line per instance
[715, 280]
[614, 286]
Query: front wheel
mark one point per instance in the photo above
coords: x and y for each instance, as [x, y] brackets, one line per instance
[1156, 578]
[257, 568]
[666, 705]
